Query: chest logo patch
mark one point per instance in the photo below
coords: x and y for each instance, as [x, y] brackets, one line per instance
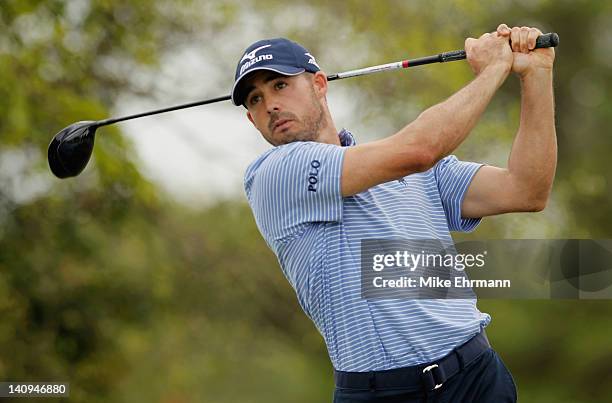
[313, 175]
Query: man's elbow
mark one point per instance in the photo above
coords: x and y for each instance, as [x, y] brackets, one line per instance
[536, 206]
[537, 202]
[421, 159]
[419, 153]
[530, 197]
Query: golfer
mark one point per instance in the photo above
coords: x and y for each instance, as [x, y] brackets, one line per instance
[316, 194]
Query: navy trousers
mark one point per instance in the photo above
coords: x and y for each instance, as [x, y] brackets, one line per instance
[484, 380]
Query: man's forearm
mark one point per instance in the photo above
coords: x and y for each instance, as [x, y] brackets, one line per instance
[533, 158]
[441, 128]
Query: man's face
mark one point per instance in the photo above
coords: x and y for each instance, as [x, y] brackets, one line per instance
[284, 108]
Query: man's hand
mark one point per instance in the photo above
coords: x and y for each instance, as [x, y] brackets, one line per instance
[490, 50]
[527, 59]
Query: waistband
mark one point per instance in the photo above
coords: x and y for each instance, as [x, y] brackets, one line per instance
[427, 376]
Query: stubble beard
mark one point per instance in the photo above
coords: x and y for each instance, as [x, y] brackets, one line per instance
[311, 125]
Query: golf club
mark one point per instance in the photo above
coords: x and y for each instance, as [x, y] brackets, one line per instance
[71, 148]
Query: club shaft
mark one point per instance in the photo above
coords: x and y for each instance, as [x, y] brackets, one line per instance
[155, 112]
[543, 41]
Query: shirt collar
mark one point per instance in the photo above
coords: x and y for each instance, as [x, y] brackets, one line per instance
[346, 138]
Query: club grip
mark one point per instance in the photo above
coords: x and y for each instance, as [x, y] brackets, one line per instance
[549, 40]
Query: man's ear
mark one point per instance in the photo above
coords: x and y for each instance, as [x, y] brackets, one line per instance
[251, 118]
[319, 82]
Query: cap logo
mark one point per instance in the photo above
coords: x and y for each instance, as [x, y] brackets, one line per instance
[251, 54]
[252, 58]
[312, 60]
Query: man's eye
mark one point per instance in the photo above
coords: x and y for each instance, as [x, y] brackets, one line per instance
[280, 85]
[254, 99]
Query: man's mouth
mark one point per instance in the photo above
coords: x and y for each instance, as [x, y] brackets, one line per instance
[281, 124]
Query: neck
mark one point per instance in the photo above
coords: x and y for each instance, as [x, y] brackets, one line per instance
[328, 133]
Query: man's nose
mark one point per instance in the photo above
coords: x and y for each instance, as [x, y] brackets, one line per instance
[272, 105]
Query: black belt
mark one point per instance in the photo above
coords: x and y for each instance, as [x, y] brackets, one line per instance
[428, 376]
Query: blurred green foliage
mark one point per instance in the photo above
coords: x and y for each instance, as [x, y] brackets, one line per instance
[108, 284]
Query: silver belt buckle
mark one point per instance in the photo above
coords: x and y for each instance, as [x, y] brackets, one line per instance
[429, 368]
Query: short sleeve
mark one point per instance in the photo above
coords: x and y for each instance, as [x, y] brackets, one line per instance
[453, 178]
[294, 185]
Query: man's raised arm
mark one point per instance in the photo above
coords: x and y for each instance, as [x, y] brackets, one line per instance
[526, 184]
[438, 130]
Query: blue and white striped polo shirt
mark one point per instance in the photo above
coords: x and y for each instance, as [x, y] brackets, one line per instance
[294, 192]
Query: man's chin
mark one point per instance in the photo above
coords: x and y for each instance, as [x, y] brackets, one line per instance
[288, 138]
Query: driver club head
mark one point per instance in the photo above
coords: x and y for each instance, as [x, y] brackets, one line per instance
[71, 148]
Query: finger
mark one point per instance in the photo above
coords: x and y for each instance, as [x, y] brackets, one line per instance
[503, 30]
[532, 37]
[515, 37]
[468, 44]
[524, 44]
[484, 35]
